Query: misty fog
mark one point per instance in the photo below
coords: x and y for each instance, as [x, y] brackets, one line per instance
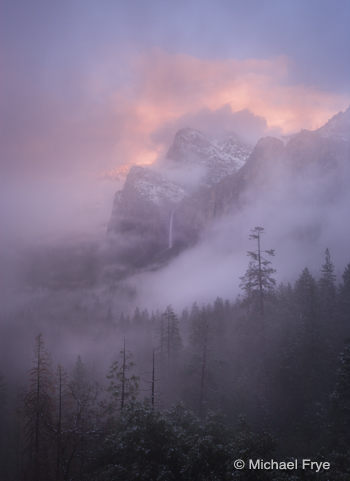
[51, 225]
[174, 240]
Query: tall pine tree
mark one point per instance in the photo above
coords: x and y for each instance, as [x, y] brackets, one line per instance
[258, 281]
[38, 412]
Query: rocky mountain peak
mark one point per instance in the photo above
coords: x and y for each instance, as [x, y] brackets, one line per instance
[260, 168]
[162, 212]
[338, 127]
[268, 150]
[149, 185]
[267, 146]
[190, 144]
[219, 157]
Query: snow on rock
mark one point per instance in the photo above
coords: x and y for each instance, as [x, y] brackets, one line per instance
[338, 127]
[220, 157]
[191, 149]
[152, 186]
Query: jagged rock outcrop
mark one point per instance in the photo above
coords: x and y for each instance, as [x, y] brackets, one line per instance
[140, 221]
[140, 216]
[199, 209]
[218, 157]
[338, 127]
[152, 205]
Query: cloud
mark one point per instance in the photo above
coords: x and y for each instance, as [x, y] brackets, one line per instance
[169, 90]
[117, 111]
[121, 110]
[302, 216]
[216, 123]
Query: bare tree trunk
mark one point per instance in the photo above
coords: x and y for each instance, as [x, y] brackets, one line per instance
[153, 382]
[59, 425]
[168, 339]
[162, 338]
[203, 371]
[37, 410]
[122, 401]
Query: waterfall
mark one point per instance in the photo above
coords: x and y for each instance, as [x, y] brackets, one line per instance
[170, 236]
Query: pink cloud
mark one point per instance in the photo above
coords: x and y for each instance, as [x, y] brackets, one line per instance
[118, 109]
[165, 88]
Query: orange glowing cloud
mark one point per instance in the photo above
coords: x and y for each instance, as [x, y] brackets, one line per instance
[165, 87]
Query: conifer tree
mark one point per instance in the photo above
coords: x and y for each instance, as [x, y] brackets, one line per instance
[327, 290]
[200, 336]
[62, 425]
[258, 280]
[38, 412]
[83, 418]
[203, 377]
[170, 339]
[328, 276]
[341, 400]
[311, 354]
[344, 303]
[3, 430]
[123, 383]
[306, 297]
[153, 382]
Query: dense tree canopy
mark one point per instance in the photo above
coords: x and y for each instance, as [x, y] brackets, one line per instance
[192, 391]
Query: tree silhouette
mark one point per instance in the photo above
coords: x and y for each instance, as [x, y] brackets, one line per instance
[123, 385]
[258, 279]
[38, 412]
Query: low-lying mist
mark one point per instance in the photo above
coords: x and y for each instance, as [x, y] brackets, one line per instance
[301, 217]
[60, 275]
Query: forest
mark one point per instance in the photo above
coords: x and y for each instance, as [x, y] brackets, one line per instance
[264, 376]
[174, 250]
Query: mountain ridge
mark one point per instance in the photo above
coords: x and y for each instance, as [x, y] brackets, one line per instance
[230, 177]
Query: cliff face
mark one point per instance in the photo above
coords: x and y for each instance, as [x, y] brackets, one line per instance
[159, 212]
[217, 157]
[140, 218]
[173, 200]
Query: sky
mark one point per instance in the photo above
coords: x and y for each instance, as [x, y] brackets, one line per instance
[90, 87]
